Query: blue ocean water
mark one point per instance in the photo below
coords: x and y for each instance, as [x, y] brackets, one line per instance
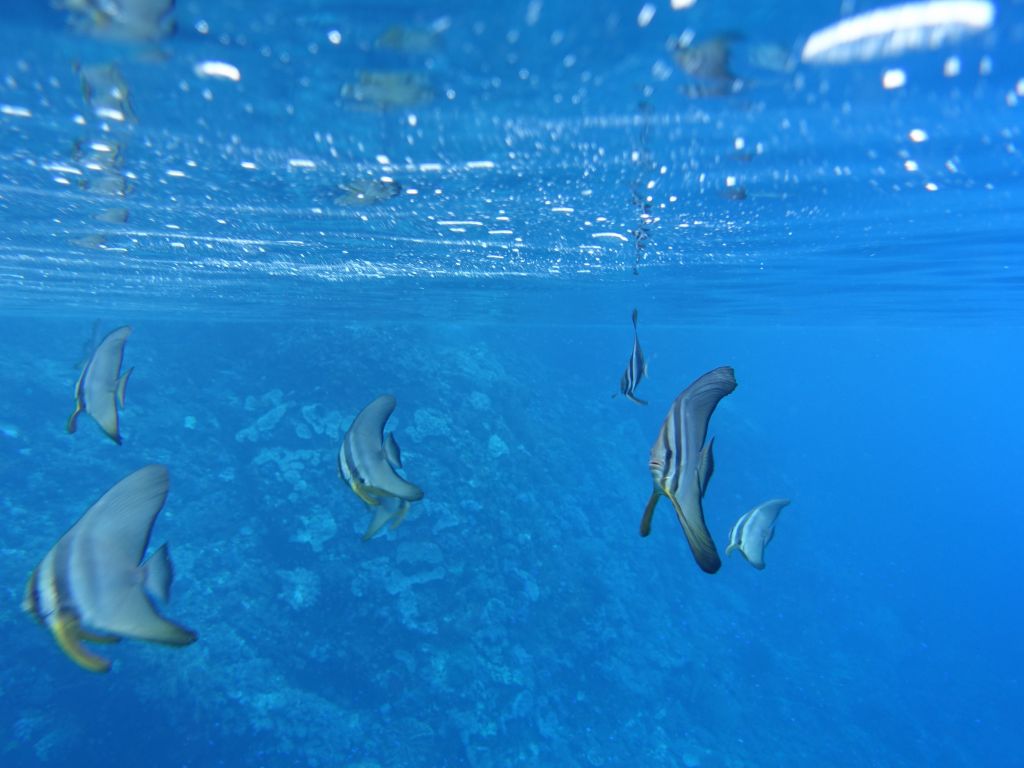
[301, 206]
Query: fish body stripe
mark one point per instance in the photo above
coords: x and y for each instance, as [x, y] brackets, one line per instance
[350, 466]
[739, 530]
[45, 594]
[669, 457]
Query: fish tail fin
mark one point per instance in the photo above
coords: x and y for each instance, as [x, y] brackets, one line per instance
[645, 521]
[69, 637]
[159, 573]
[122, 382]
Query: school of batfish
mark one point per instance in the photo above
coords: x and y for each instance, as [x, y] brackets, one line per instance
[96, 584]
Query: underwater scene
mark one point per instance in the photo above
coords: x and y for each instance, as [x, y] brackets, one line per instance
[536, 383]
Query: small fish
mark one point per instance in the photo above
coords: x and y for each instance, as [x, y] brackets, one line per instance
[366, 192]
[707, 63]
[681, 465]
[636, 369]
[93, 586]
[367, 461]
[752, 532]
[100, 388]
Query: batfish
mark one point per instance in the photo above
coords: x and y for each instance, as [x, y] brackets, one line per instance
[93, 586]
[100, 388]
[368, 461]
[752, 532]
[681, 465]
[636, 369]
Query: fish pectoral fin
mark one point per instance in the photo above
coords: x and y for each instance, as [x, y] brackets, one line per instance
[645, 521]
[69, 636]
[363, 493]
[121, 384]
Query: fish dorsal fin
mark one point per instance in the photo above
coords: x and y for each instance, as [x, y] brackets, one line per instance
[635, 316]
[698, 402]
[121, 521]
[364, 448]
[106, 546]
[105, 363]
[392, 451]
[705, 467]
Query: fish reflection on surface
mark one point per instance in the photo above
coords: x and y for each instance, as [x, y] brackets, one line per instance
[413, 40]
[366, 192]
[387, 90]
[105, 91]
[129, 20]
[707, 63]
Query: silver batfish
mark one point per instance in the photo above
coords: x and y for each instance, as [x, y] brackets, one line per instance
[752, 532]
[368, 461]
[681, 466]
[99, 390]
[93, 586]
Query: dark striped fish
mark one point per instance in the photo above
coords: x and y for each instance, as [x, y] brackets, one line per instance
[752, 532]
[99, 390]
[367, 462]
[93, 586]
[681, 465]
[636, 368]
